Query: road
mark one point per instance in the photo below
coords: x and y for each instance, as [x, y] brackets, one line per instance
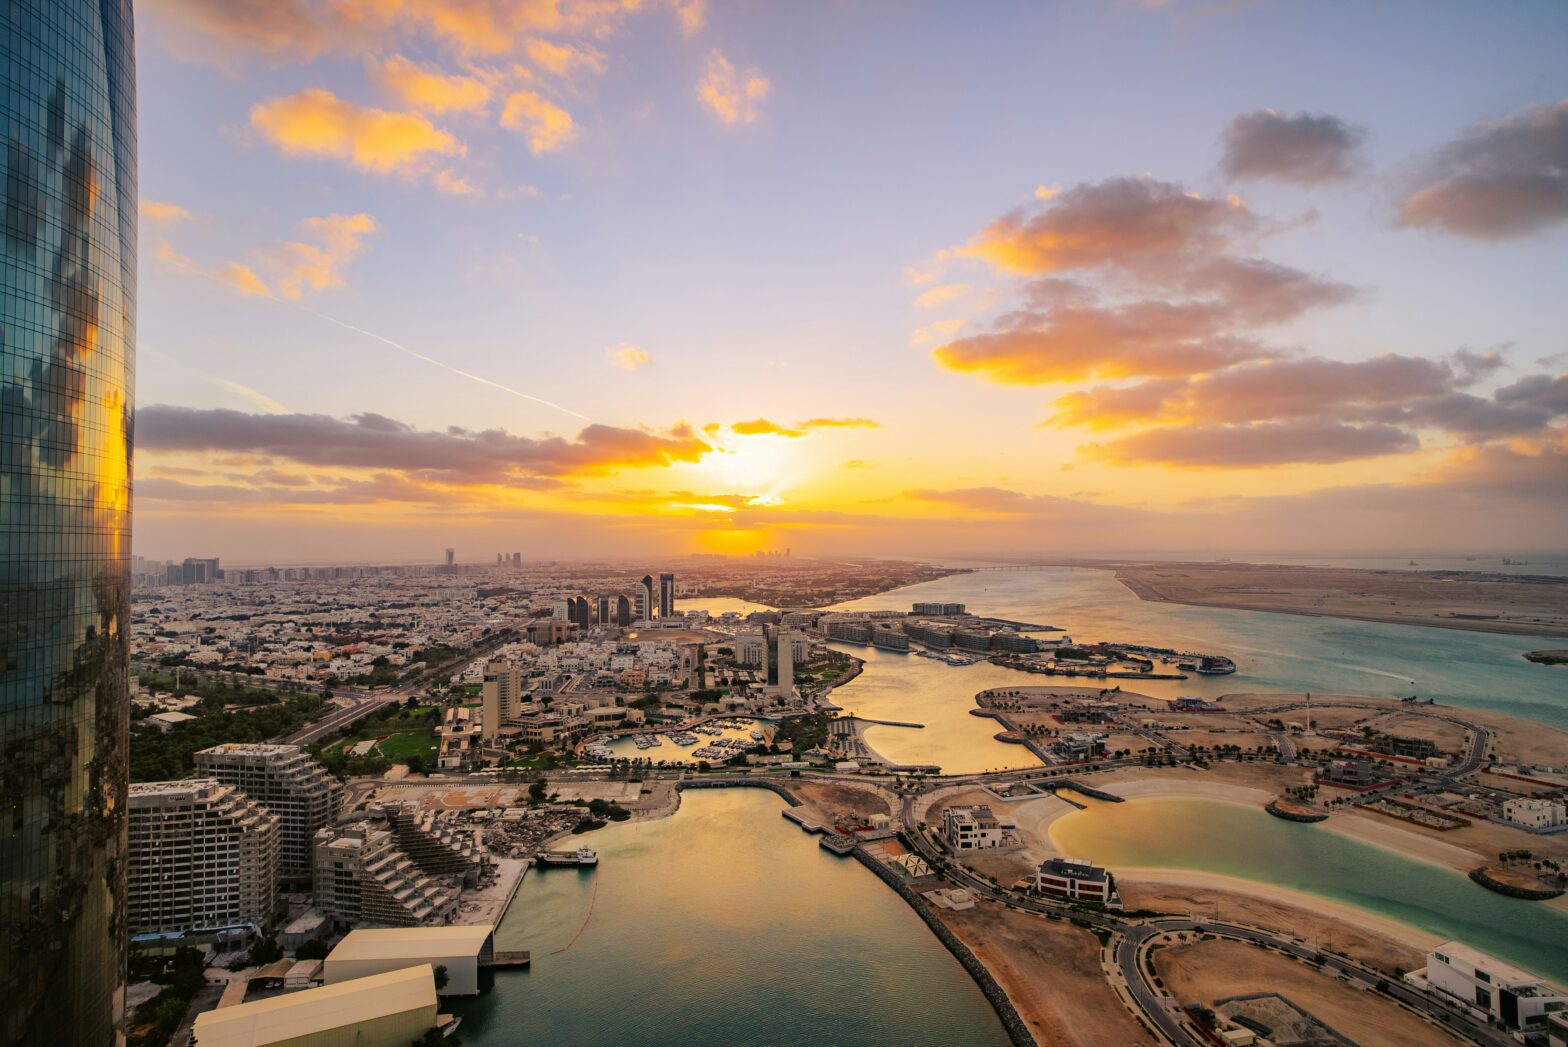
[373, 701]
[1137, 933]
[343, 717]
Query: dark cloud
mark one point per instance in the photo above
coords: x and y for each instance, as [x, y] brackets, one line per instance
[1413, 393]
[372, 441]
[1126, 222]
[1306, 149]
[1496, 180]
[1255, 444]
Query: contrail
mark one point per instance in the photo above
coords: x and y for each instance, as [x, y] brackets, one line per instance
[437, 363]
[184, 264]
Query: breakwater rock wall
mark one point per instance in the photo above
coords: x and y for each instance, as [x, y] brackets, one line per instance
[1017, 1031]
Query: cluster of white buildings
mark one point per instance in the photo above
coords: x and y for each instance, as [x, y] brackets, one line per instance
[1538, 815]
[967, 829]
[1492, 991]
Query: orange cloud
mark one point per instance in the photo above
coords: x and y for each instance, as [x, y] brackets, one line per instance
[562, 60]
[1149, 338]
[764, 427]
[313, 263]
[628, 357]
[318, 265]
[940, 295]
[244, 278]
[690, 15]
[546, 125]
[839, 423]
[455, 184]
[154, 211]
[427, 90]
[318, 123]
[733, 96]
[296, 30]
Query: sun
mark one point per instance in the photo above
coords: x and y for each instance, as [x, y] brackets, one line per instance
[760, 467]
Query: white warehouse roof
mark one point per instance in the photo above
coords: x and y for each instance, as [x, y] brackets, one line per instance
[383, 943]
[313, 1011]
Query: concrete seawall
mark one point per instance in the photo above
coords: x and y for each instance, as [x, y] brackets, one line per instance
[1016, 1029]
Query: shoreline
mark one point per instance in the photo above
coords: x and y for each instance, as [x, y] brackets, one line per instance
[1388, 927]
[1208, 596]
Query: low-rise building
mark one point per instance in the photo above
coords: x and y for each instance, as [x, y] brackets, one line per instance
[1489, 988]
[461, 949]
[975, 828]
[1537, 815]
[385, 1010]
[1073, 879]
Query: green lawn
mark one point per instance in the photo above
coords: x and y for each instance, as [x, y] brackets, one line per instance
[404, 744]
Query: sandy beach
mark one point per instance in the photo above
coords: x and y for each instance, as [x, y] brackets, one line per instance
[1530, 605]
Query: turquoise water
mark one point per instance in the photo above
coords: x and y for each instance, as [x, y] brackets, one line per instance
[1242, 841]
[1273, 652]
[723, 924]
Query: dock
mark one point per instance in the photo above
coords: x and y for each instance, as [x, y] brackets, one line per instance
[509, 958]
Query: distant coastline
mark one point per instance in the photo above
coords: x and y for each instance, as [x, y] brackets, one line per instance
[1473, 601]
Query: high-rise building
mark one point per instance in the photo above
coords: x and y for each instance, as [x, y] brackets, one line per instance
[604, 610]
[666, 595]
[290, 783]
[623, 610]
[503, 693]
[451, 555]
[199, 572]
[578, 613]
[67, 358]
[784, 661]
[645, 598]
[203, 856]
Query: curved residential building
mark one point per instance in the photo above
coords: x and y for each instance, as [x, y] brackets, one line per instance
[67, 343]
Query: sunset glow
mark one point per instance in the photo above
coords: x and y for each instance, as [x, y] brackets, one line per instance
[580, 276]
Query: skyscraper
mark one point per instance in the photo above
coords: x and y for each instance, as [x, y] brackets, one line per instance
[67, 358]
[645, 604]
[451, 555]
[623, 610]
[666, 595]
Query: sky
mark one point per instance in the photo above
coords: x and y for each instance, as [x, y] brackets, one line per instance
[631, 277]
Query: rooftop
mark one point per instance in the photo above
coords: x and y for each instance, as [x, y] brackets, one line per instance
[382, 943]
[311, 1011]
[1501, 971]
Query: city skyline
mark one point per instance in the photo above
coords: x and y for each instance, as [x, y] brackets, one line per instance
[676, 277]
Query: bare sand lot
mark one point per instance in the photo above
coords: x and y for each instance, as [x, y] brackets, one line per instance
[1202, 972]
[1534, 605]
[1051, 971]
[843, 804]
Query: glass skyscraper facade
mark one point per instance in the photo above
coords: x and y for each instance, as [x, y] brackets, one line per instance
[67, 342]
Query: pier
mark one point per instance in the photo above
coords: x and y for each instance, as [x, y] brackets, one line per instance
[509, 958]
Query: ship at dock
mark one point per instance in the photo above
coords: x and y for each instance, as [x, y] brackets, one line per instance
[580, 857]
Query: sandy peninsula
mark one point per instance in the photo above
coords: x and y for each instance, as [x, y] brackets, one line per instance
[1530, 605]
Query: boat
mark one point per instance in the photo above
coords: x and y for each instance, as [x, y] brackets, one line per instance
[581, 856]
[756, 736]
